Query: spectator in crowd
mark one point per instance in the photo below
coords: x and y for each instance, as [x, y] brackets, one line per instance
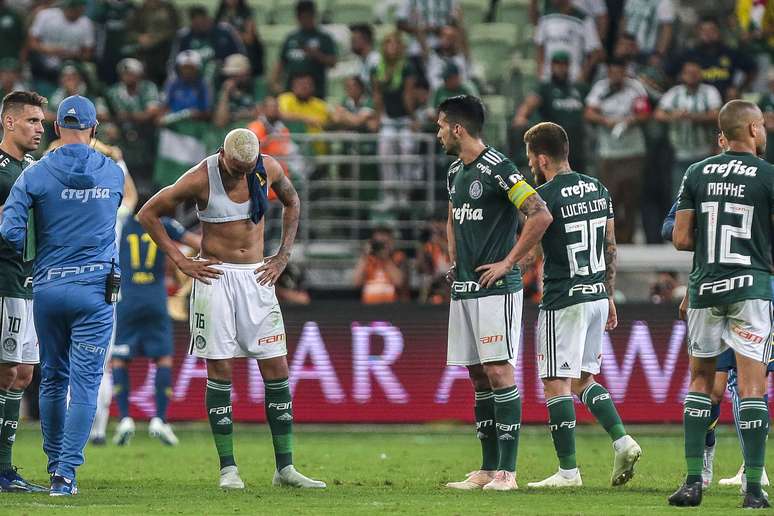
[307, 49]
[424, 119]
[559, 101]
[766, 103]
[10, 76]
[356, 112]
[423, 21]
[618, 106]
[666, 288]
[362, 45]
[135, 103]
[236, 100]
[13, 32]
[301, 105]
[723, 67]
[272, 133]
[451, 86]
[72, 82]
[150, 32]
[449, 50]
[393, 85]
[111, 19]
[58, 34]
[652, 24]
[691, 110]
[214, 42]
[241, 16]
[290, 287]
[186, 94]
[380, 272]
[433, 263]
[565, 28]
[597, 9]
[650, 73]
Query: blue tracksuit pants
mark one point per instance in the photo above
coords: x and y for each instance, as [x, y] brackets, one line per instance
[74, 324]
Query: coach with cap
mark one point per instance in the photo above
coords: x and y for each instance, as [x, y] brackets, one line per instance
[74, 193]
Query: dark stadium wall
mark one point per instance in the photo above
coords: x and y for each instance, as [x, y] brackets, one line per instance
[352, 363]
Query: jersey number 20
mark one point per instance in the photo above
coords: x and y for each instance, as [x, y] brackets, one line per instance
[584, 255]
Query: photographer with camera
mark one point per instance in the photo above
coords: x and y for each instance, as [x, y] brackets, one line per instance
[380, 272]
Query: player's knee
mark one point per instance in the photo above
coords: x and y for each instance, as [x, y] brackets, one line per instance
[581, 384]
[500, 374]
[274, 368]
[8, 374]
[478, 378]
[24, 375]
[219, 370]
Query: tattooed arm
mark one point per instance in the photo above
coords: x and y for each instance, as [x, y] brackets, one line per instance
[611, 256]
[272, 268]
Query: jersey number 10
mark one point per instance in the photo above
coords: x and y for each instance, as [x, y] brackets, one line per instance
[727, 232]
[586, 254]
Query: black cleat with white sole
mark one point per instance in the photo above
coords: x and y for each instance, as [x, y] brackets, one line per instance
[755, 502]
[689, 495]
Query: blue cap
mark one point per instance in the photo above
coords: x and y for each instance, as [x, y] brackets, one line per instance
[79, 108]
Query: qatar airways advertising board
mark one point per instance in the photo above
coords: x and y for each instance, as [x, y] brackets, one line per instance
[387, 364]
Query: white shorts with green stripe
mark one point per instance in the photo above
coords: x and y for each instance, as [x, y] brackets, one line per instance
[744, 326]
[570, 339]
[485, 329]
[18, 341]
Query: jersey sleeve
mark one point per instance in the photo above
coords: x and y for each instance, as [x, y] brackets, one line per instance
[685, 197]
[513, 184]
[591, 40]
[606, 195]
[15, 213]
[666, 103]
[175, 230]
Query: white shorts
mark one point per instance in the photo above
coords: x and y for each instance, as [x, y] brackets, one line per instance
[484, 329]
[235, 317]
[569, 339]
[744, 326]
[18, 341]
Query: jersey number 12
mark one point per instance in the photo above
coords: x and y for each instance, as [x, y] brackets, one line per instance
[727, 232]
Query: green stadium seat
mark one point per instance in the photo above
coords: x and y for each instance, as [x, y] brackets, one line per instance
[492, 47]
[262, 11]
[272, 37]
[284, 12]
[513, 11]
[351, 11]
[474, 11]
[183, 6]
[340, 34]
[498, 114]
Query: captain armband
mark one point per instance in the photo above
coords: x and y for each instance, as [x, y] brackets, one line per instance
[519, 192]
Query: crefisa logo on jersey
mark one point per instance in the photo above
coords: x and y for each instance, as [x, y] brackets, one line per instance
[476, 189]
[467, 213]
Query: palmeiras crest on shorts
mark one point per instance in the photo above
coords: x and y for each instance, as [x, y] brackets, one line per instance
[9, 344]
[476, 189]
[200, 342]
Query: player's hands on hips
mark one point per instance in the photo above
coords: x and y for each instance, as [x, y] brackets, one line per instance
[491, 272]
[451, 274]
[683, 310]
[612, 316]
[200, 269]
[270, 271]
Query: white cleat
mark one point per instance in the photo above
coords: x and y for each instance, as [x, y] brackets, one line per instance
[558, 480]
[706, 472]
[288, 476]
[627, 453]
[736, 480]
[503, 481]
[124, 432]
[162, 431]
[230, 479]
[475, 480]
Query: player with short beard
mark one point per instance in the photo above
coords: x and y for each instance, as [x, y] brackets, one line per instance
[486, 195]
[22, 119]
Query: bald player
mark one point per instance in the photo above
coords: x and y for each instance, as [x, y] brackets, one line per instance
[234, 310]
[724, 215]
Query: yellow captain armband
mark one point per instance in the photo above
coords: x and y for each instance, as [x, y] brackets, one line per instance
[519, 192]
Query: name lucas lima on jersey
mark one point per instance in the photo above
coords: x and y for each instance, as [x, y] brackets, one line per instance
[583, 207]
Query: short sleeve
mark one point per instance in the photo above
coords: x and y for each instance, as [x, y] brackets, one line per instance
[513, 184]
[685, 196]
[666, 11]
[666, 103]
[89, 36]
[175, 230]
[590, 35]
[38, 24]
[328, 45]
[714, 100]
[540, 33]
[610, 211]
[594, 98]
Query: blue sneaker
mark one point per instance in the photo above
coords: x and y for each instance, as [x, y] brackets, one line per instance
[61, 486]
[12, 482]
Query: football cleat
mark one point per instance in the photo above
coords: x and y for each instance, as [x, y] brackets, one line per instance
[755, 502]
[12, 482]
[288, 476]
[124, 432]
[502, 481]
[688, 495]
[736, 480]
[230, 479]
[557, 480]
[97, 440]
[706, 472]
[627, 453]
[474, 480]
[61, 486]
[162, 431]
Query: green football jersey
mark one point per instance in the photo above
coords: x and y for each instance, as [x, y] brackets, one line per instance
[485, 196]
[15, 275]
[574, 243]
[732, 196]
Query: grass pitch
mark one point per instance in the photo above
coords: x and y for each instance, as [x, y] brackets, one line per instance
[383, 469]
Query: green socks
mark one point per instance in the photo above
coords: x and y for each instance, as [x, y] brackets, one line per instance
[507, 410]
[10, 422]
[218, 401]
[561, 422]
[601, 405]
[485, 429]
[753, 427]
[696, 420]
[279, 414]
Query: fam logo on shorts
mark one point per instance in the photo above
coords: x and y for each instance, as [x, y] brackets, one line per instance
[200, 342]
[271, 339]
[476, 189]
[9, 345]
